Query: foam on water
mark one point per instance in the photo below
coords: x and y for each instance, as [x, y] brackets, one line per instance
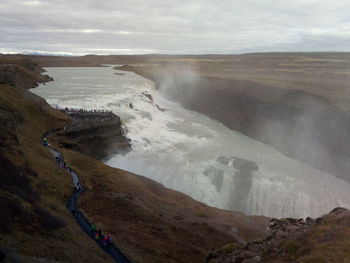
[194, 154]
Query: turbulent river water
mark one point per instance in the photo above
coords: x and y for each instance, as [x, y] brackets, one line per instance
[194, 154]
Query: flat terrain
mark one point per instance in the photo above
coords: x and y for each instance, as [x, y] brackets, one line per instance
[324, 74]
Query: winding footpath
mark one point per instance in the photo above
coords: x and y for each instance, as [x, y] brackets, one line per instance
[71, 205]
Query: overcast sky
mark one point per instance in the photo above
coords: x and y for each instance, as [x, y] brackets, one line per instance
[173, 26]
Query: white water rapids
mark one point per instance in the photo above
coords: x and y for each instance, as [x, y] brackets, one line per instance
[194, 154]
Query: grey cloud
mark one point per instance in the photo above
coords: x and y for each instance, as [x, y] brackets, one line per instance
[165, 26]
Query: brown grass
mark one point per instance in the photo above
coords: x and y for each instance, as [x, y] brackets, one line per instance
[44, 228]
[151, 223]
[328, 241]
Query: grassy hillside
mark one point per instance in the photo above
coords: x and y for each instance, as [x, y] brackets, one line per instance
[34, 221]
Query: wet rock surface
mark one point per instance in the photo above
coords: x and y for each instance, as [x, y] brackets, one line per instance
[238, 163]
[244, 165]
[242, 183]
[224, 160]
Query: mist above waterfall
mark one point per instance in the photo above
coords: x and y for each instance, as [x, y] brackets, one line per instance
[181, 84]
[301, 125]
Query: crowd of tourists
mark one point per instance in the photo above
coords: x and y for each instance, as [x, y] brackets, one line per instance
[105, 241]
[82, 111]
[96, 234]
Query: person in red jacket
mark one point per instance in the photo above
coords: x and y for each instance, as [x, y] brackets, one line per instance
[107, 240]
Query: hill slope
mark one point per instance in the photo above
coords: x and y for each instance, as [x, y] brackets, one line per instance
[325, 239]
[34, 221]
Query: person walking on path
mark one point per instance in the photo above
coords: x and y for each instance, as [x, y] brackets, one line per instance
[93, 229]
[77, 187]
[107, 240]
[98, 235]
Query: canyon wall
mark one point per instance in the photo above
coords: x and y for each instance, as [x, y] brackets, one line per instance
[302, 125]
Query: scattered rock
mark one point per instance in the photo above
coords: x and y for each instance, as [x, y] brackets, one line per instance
[159, 108]
[149, 96]
[340, 211]
[244, 165]
[282, 240]
[224, 160]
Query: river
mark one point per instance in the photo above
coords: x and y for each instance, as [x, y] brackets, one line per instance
[191, 153]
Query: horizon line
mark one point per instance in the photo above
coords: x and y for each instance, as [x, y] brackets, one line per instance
[165, 54]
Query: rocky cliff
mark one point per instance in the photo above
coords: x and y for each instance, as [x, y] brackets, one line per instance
[96, 134]
[20, 72]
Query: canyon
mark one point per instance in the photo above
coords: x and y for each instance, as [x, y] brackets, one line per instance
[295, 102]
[148, 222]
